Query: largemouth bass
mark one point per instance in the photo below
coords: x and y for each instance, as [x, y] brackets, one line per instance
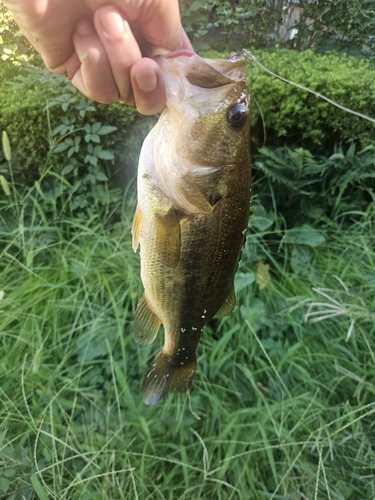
[192, 213]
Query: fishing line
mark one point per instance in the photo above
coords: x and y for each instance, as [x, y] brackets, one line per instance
[263, 119]
[252, 58]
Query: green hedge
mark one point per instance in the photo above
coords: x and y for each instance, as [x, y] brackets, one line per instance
[31, 127]
[300, 118]
[292, 116]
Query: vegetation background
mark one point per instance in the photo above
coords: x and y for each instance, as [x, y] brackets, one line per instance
[283, 402]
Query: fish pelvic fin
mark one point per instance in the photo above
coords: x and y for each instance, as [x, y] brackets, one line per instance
[136, 228]
[166, 376]
[146, 323]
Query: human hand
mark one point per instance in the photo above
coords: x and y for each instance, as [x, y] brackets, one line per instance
[103, 47]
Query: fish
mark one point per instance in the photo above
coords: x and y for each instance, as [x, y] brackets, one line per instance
[192, 214]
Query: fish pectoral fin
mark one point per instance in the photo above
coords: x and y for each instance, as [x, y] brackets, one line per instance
[168, 237]
[192, 188]
[136, 228]
[164, 377]
[228, 305]
[146, 323]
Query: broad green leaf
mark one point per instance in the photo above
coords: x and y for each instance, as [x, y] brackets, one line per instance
[242, 280]
[59, 129]
[93, 160]
[305, 235]
[4, 484]
[104, 155]
[106, 129]
[95, 138]
[67, 169]
[300, 259]
[38, 488]
[91, 178]
[100, 176]
[61, 147]
[95, 127]
[261, 219]
[71, 151]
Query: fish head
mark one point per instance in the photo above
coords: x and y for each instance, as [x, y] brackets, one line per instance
[200, 147]
[207, 110]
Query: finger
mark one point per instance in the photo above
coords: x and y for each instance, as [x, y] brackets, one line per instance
[94, 77]
[159, 20]
[121, 47]
[148, 87]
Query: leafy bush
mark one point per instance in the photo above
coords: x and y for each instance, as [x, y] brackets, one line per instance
[305, 188]
[318, 24]
[15, 50]
[53, 128]
[53, 117]
[338, 24]
[297, 195]
[298, 117]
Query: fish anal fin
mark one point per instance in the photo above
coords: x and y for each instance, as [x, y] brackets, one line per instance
[165, 377]
[227, 306]
[168, 237]
[136, 228]
[146, 323]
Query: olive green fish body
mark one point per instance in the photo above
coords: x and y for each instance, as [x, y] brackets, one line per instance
[193, 204]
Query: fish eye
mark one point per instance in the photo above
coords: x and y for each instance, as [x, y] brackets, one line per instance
[237, 115]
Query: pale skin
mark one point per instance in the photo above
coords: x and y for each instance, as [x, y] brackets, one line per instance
[103, 47]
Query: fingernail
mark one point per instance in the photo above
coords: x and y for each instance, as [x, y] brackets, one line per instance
[112, 23]
[147, 81]
[84, 27]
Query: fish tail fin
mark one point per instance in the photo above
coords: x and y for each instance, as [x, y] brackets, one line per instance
[166, 376]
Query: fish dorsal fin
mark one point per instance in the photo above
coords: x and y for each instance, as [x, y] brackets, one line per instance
[228, 305]
[146, 323]
[136, 228]
[168, 237]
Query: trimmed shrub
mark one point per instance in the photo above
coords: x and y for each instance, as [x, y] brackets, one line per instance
[297, 117]
[43, 115]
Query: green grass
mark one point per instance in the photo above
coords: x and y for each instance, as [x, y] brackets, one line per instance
[283, 402]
